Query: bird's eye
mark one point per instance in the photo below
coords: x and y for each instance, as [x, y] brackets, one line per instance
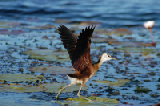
[109, 56]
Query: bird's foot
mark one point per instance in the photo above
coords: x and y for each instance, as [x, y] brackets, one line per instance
[78, 94]
[153, 43]
[89, 100]
[57, 96]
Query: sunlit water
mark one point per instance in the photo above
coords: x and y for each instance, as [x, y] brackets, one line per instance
[22, 16]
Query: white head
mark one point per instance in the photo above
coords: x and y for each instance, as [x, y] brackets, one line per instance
[105, 57]
[149, 24]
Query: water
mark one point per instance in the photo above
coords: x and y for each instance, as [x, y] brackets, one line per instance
[23, 27]
[111, 13]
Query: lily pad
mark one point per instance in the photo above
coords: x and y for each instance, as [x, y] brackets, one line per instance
[20, 88]
[20, 77]
[8, 24]
[52, 69]
[74, 103]
[48, 55]
[90, 23]
[47, 87]
[60, 21]
[23, 100]
[5, 31]
[55, 87]
[129, 43]
[144, 51]
[101, 39]
[119, 82]
[43, 27]
[118, 32]
[94, 99]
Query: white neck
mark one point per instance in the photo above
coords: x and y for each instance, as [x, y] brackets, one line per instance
[103, 59]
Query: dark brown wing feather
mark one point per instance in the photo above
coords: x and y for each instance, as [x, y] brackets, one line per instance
[68, 38]
[81, 60]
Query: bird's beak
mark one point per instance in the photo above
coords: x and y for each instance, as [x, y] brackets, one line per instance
[114, 58]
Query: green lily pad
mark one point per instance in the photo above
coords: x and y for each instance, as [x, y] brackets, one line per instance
[48, 55]
[144, 51]
[8, 24]
[20, 88]
[20, 77]
[74, 103]
[90, 23]
[6, 31]
[43, 27]
[94, 99]
[129, 43]
[47, 87]
[119, 82]
[60, 21]
[55, 87]
[23, 100]
[52, 69]
[101, 39]
[117, 32]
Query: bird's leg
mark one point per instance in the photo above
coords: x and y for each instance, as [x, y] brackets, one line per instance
[150, 30]
[62, 90]
[78, 94]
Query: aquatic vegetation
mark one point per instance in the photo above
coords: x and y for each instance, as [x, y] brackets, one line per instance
[119, 82]
[48, 55]
[52, 69]
[20, 77]
[94, 99]
[140, 89]
[33, 62]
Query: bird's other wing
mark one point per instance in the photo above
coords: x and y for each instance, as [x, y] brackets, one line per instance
[81, 60]
[68, 38]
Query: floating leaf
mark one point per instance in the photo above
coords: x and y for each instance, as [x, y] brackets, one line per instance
[20, 77]
[5, 31]
[20, 88]
[52, 70]
[23, 100]
[61, 21]
[119, 82]
[44, 27]
[118, 32]
[90, 23]
[121, 31]
[144, 51]
[101, 39]
[129, 43]
[47, 87]
[55, 87]
[94, 99]
[8, 24]
[48, 55]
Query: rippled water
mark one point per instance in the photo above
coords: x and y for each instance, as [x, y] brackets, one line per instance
[21, 29]
[112, 13]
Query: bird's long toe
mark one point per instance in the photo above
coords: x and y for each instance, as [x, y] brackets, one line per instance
[78, 94]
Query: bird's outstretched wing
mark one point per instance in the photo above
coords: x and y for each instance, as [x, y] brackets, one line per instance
[68, 38]
[81, 60]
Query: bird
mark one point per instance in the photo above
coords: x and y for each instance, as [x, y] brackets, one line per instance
[79, 53]
[148, 25]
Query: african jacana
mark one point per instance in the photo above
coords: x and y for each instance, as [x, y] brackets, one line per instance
[79, 53]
